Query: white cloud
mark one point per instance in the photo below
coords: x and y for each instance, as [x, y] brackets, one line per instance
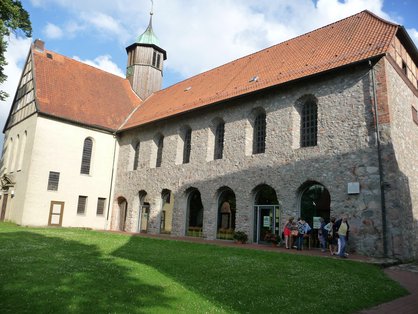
[73, 27]
[104, 63]
[335, 10]
[103, 22]
[52, 31]
[16, 54]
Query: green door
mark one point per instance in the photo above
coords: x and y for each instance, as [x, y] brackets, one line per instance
[266, 222]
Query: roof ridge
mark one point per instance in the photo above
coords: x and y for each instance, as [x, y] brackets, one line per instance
[379, 18]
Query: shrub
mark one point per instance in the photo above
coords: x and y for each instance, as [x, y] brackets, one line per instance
[240, 236]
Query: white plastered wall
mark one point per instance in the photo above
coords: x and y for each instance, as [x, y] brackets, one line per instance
[58, 147]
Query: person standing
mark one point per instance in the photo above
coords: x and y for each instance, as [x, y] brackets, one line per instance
[332, 237]
[322, 235]
[342, 235]
[304, 229]
[287, 233]
[336, 227]
[301, 232]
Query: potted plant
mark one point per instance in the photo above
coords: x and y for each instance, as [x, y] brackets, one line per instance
[240, 237]
[272, 238]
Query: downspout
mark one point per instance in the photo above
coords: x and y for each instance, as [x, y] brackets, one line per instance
[379, 156]
[111, 180]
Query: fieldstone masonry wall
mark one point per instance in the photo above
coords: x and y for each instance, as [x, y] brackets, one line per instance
[402, 179]
[346, 152]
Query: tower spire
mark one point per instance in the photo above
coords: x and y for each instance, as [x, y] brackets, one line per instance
[148, 37]
[151, 13]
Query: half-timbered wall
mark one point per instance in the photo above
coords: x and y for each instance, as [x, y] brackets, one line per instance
[24, 102]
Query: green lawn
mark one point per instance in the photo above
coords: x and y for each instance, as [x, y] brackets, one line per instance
[81, 271]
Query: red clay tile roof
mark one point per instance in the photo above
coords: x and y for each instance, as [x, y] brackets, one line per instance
[78, 92]
[350, 40]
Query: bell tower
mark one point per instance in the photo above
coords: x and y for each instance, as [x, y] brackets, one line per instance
[145, 63]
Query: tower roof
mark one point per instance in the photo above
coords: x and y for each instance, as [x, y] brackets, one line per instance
[148, 37]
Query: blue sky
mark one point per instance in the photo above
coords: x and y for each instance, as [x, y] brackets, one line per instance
[197, 35]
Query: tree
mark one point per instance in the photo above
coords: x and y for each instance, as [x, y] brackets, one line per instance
[13, 18]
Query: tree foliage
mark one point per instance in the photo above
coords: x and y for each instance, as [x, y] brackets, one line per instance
[14, 18]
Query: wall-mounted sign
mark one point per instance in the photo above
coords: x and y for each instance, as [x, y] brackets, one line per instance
[266, 221]
[353, 188]
[316, 222]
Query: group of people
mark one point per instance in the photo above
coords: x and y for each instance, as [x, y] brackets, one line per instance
[333, 234]
[295, 233]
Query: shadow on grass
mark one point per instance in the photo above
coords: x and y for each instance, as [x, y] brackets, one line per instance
[41, 274]
[249, 281]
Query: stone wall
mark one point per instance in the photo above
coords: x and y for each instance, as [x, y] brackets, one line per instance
[401, 182]
[346, 152]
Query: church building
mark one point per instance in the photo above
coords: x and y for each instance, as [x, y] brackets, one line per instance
[322, 125]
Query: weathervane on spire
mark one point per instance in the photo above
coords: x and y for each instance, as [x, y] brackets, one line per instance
[152, 7]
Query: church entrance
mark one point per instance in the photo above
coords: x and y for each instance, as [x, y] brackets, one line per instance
[267, 222]
[266, 214]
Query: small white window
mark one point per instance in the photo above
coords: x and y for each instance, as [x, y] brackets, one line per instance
[53, 181]
[100, 206]
[81, 206]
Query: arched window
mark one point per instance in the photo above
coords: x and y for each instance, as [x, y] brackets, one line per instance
[160, 146]
[123, 213]
[22, 151]
[166, 218]
[9, 155]
[259, 135]
[226, 214]
[195, 214]
[86, 158]
[136, 157]
[315, 201]
[308, 125]
[219, 140]
[143, 212]
[15, 153]
[187, 145]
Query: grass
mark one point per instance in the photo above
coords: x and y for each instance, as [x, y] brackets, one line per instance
[79, 271]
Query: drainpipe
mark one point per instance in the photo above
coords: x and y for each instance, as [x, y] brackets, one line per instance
[111, 180]
[379, 156]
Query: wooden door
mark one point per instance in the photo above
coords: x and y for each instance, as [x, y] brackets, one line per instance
[55, 214]
[3, 207]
